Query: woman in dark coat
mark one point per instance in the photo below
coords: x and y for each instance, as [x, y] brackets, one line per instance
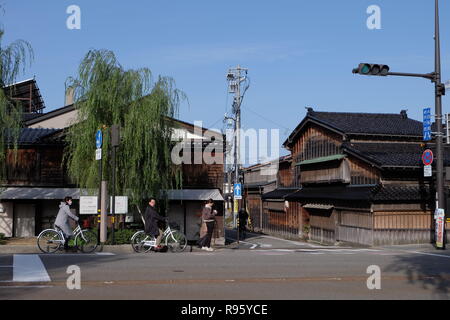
[151, 222]
[208, 216]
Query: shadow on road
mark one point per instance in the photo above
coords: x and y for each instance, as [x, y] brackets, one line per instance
[432, 273]
[231, 235]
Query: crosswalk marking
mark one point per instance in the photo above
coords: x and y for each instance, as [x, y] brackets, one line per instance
[29, 268]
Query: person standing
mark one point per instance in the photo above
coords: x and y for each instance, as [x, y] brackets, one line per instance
[208, 217]
[151, 222]
[243, 218]
[62, 220]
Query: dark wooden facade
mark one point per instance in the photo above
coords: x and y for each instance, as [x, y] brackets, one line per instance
[352, 178]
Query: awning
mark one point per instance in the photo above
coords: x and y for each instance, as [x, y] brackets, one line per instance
[318, 206]
[322, 160]
[39, 193]
[195, 194]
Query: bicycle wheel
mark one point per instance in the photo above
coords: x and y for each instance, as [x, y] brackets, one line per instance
[176, 241]
[86, 241]
[141, 242]
[49, 241]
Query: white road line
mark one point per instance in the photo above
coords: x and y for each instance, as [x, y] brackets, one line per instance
[428, 254]
[29, 268]
[26, 287]
[105, 254]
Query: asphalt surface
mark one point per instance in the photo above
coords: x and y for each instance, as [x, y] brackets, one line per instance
[261, 268]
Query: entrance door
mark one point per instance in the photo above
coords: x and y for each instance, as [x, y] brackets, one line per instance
[24, 220]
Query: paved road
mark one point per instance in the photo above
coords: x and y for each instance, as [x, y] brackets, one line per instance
[298, 271]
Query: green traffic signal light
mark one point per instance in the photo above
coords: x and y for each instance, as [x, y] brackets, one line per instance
[368, 69]
[365, 69]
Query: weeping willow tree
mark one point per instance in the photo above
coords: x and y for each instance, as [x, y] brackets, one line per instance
[13, 60]
[107, 94]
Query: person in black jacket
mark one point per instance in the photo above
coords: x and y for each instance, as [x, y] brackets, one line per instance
[243, 218]
[151, 222]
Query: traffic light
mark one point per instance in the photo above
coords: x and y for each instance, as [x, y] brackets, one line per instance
[368, 69]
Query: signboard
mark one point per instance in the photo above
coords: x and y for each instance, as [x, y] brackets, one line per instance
[440, 222]
[98, 154]
[427, 124]
[121, 205]
[99, 139]
[428, 171]
[88, 205]
[427, 157]
[238, 191]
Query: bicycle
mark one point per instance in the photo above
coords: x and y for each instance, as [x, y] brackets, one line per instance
[51, 240]
[175, 240]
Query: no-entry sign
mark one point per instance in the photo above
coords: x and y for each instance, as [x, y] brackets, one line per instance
[427, 157]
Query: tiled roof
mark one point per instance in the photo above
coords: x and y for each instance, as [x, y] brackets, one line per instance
[370, 123]
[32, 136]
[280, 193]
[364, 193]
[381, 124]
[392, 154]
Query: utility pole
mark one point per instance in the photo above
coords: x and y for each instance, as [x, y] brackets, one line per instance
[235, 78]
[439, 86]
[435, 77]
[115, 140]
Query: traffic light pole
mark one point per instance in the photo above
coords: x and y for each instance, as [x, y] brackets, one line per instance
[383, 70]
[439, 138]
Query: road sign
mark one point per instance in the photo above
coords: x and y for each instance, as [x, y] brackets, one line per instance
[428, 171]
[98, 154]
[427, 157]
[427, 124]
[238, 191]
[99, 139]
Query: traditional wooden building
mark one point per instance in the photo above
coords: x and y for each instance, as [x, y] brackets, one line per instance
[266, 185]
[361, 178]
[37, 181]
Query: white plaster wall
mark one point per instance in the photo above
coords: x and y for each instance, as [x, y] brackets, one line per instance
[6, 219]
[60, 122]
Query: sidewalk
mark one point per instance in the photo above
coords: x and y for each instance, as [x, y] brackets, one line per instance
[29, 246]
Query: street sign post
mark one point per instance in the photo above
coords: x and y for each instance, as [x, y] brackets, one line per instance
[99, 139]
[238, 191]
[98, 157]
[427, 157]
[427, 124]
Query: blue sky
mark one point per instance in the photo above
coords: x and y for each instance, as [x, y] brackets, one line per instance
[299, 53]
